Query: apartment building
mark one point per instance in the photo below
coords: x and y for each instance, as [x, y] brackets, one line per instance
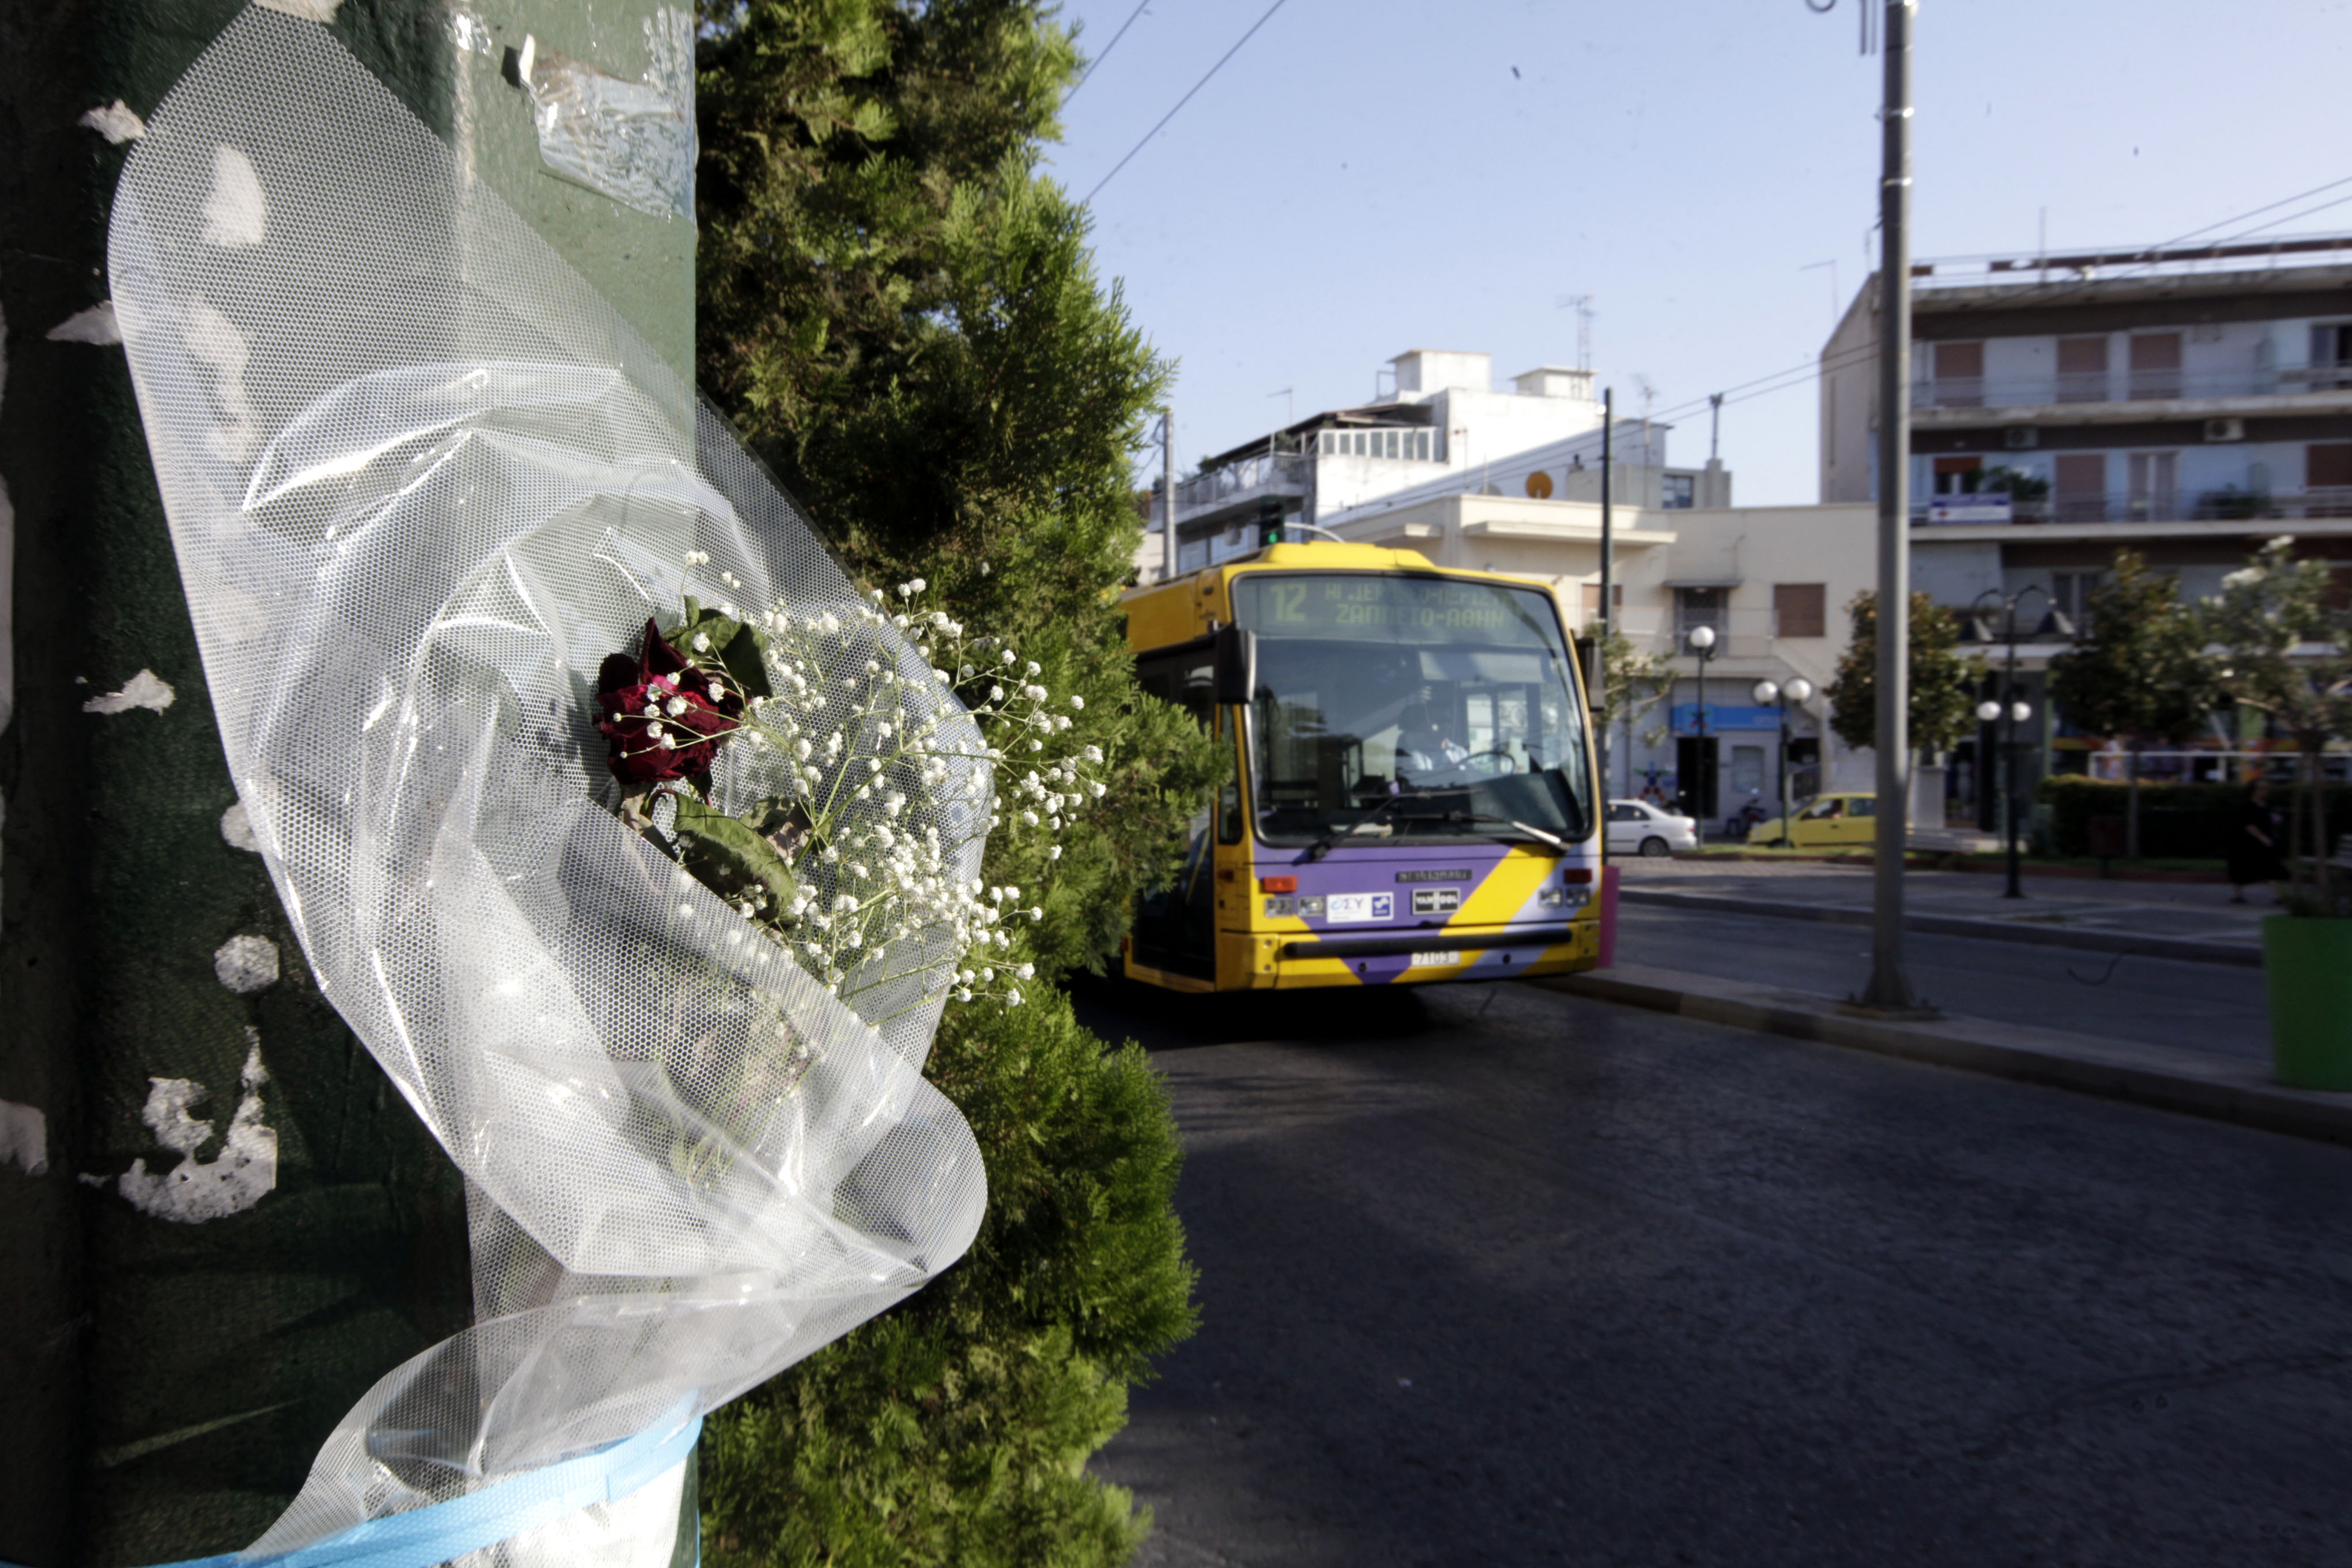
[2189, 403]
[1441, 427]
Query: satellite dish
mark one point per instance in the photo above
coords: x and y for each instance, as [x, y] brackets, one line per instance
[1539, 485]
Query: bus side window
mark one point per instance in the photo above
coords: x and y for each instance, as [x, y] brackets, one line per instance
[1229, 794]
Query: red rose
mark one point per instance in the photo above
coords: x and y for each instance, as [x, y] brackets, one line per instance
[664, 716]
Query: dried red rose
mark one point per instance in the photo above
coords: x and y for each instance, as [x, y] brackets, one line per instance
[664, 716]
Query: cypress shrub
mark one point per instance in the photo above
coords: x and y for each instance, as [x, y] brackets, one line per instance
[902, 317]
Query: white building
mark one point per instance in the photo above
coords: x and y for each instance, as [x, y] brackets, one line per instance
[1442, 428]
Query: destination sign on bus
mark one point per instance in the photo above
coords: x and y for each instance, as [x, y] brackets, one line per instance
[1394, 609]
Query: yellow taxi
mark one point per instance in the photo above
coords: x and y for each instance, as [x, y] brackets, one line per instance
[1826, 822]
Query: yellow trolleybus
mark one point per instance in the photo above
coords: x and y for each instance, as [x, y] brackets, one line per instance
[1412, 796]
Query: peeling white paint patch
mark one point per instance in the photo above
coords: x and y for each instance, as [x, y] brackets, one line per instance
[215, 342]
[117, 122]
[144, 690]
[308, 10]
[236, 828]
[96, 325]
[25, 1137]
[193, 1191]
[235, 214]
[247, 963]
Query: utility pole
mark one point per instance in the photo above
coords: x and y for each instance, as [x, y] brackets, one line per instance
[1166, 493]
[1889, 989]
[1608, 621]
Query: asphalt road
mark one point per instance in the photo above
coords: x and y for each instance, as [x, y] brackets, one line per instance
[1491, 1275]
[2215, 1008]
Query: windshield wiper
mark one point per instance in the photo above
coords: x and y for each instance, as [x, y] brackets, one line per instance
[1331, 836]
[1541, 835]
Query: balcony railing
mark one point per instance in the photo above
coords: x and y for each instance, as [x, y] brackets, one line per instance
[2159, 506]
[1280, 473]
[2120, 386]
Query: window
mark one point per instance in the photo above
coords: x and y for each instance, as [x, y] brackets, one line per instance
[1800, 609]
[2155, 365]
[1958, 476]
[1413, 445]
[1678, 492]
[1625, 811]
[1959, 376]
[1695, 608]
[1864, 805]
[2081, 487]
[2155, 491]
[2081, 370]
[2331, 355]
[2070, 595]
[2328, 478]
[1593, 600]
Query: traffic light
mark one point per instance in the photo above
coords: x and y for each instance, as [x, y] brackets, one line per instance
[1269, 520]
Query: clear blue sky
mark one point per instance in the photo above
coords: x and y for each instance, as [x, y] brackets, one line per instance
[1367, 176]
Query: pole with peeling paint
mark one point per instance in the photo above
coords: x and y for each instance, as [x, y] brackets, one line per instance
[222, 1224]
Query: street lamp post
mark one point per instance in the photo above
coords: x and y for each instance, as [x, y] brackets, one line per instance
[2012, 709]
[1702, 643]
[1768, 694]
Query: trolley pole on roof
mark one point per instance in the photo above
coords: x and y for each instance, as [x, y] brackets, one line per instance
[1598, 697]
[1167, 494]
[1889, 989]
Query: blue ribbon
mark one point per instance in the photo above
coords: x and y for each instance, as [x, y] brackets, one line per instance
[425, 1536]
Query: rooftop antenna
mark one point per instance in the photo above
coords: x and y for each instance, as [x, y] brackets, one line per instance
[1582, 305]
[1714, 423]
[1289, 410]
[1648, 393]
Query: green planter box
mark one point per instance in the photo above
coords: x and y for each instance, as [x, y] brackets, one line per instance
[2307, 962]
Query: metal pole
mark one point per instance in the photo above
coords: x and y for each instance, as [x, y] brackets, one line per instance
[1698, 790]
[1889, 988]
[2008, 717]
[1785, 833]
[1167, 494]
[1608, 584]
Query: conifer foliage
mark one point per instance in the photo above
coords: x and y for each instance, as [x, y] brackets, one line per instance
[903, 319]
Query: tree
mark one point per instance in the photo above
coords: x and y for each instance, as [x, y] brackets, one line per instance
[2287, 652]
[903, 319]
[1632, 683]
[2139, 671]
[1943, 684]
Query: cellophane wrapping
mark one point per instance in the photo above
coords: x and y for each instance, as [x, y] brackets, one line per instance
[421, 480]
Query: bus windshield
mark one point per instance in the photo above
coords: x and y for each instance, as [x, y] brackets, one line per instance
[1410, 708]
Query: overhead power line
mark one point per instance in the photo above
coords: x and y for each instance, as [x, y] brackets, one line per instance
[1181, 102]
[1099, 59]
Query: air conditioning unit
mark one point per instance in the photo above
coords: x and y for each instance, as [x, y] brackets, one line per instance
[2018, 438]
[2225, 429]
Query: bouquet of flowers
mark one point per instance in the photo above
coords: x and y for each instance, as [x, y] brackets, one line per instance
[851, 866]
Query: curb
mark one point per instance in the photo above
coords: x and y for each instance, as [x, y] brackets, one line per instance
[2160, 1077]
[2090, 941]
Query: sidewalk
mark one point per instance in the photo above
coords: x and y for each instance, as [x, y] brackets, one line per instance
[2194, 1083]
[2175, 920]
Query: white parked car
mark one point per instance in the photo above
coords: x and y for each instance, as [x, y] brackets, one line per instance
[1637, 827]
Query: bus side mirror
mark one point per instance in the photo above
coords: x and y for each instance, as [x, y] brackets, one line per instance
[1236, 677]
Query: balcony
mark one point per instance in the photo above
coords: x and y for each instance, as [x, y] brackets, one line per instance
[1235, 487]
[2125, 386]
[2159, 506]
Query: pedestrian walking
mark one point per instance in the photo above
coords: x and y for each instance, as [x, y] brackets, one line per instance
[2253, 849]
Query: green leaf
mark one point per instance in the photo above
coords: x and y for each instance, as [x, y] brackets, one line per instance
[740, 647]
[732, 859]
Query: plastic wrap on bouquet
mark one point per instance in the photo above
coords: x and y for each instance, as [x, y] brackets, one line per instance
[421, 480]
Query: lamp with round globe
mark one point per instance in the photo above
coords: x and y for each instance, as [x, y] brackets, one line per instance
[1770, 693]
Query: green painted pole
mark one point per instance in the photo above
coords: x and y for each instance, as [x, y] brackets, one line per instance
[172, 1369]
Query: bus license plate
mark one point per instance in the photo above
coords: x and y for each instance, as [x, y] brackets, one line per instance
[1433, 960]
